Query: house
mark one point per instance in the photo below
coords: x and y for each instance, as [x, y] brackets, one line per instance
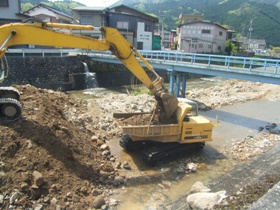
[202, 37]
[190, 18]
[137, 27]
[173, 43]
[49, 14]
[10, 12]
[246, 44]
[95, 16]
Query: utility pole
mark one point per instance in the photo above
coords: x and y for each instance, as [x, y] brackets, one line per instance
[250, 34]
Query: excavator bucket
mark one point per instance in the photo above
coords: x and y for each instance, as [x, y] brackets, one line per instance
[170, 103]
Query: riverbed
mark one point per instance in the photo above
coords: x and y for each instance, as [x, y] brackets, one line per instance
[153, 188]
[157, 187]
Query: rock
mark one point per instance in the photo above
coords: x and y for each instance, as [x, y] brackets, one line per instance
[113, 202]
[1, 199]
[205, 201]
[53, 201]
[24, 187]
[99, 142]
[98, 202]
[96, 192]
[14, 198]
[38, 178]
[199, 187]
[118, 180]
[94, 138]
[191, 166]
[125, 165]
[39, 207]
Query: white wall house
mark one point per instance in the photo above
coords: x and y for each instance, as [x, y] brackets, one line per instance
[144, 37]
[49, 14]
[202, 37]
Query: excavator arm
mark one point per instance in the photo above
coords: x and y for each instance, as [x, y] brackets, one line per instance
[60, 35]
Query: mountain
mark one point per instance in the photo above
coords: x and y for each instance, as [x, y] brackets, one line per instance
[262, 16]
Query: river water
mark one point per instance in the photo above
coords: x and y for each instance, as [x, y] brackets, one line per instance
[157, 187]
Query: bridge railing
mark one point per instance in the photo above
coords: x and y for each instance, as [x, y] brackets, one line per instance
[222, 61]
[248, 63]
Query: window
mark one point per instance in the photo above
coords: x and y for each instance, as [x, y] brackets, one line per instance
[140, 45]
[209, 46]
[122, 25]
[4, 3]
[204, 31]
[219, 48]
[221, 33]
[200, 45]
[86, 20]
[147, 28]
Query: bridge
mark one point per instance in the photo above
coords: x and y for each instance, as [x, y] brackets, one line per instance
[178, 64]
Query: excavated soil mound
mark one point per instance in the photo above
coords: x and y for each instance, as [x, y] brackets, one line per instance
[47, 159]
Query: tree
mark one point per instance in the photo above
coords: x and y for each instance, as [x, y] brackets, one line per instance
[231, 48]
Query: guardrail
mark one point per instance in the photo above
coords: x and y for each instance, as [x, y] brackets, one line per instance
[42, 52]
[209, 60]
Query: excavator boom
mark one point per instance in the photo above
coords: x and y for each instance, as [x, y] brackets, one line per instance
[61, 35]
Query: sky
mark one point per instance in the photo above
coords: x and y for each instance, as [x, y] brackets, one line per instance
[97, 3]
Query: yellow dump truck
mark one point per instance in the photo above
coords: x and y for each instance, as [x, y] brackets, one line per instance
[165, 142]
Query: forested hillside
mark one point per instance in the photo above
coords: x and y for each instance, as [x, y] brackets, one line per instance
[64, 6]
[264, 15]
[238, 14]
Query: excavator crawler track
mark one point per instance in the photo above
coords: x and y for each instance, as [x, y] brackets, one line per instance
[167, 152]
[10, 109]
[130, 146]
[9, 92]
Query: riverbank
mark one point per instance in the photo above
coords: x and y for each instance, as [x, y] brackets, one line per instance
[57, 154]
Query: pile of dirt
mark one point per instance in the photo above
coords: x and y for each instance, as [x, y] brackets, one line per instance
[49, 158]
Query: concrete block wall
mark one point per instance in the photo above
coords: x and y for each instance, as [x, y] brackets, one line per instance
[42, 72]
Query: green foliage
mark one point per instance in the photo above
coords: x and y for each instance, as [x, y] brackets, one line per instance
[26, 6]
[276, 49]
[231, 48]
[140, 91]
[235, 14]
[63, 6]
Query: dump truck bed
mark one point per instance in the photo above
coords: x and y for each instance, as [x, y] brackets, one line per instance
[161, 133]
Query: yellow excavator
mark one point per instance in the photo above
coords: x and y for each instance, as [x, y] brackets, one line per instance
[161, 142]
[60, 35]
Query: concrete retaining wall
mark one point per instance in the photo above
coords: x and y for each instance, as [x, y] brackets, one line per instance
[49, 72]
[53, 72]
